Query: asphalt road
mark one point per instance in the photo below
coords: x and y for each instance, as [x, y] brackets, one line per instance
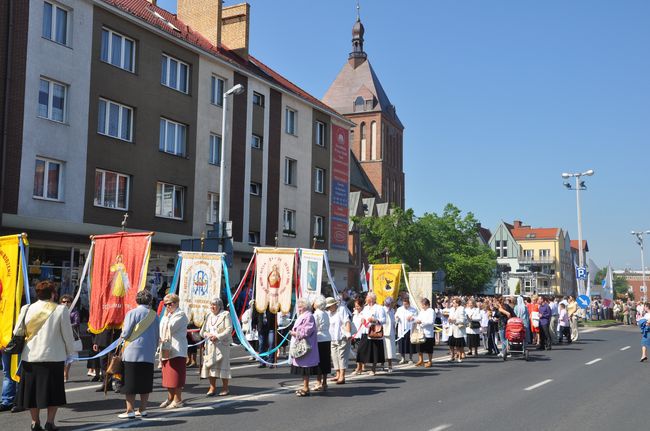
[594, 384]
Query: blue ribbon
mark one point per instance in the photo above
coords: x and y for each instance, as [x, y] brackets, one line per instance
[104, 352]
[23, 264]
[177, 271]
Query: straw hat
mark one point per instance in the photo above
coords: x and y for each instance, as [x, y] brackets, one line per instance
[330, 301]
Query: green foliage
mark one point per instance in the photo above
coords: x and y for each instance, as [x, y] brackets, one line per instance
[620, 283]
[518, 288]
[448, 241]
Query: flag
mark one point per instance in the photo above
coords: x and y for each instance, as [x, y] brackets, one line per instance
[274, 274]
[363, 279]
[608, 288]
[200, 281]
[386, 280]
[311, 273]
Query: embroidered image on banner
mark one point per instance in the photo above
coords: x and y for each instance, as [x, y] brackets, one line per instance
[200, 281]
[11, 285]
[385, 281]
[311, 273]
[273, 279]
[421, 285]
[119, 264]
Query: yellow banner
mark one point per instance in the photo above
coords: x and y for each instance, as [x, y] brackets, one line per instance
[385, 281]
[11, 285]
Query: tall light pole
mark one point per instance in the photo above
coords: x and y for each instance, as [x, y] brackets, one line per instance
[639, 240]
[236, 90]
[580, 185]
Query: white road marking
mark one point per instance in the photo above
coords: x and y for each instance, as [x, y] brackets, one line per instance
[594, 361]
[441, 427]
[83, 388]
[625, 348]
[537, 385]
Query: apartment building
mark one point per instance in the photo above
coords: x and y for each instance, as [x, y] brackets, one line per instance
[121, 107]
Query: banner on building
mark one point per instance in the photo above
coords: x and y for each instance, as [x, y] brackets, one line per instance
[386, 281]
[12, 278]
[311, 273]
[118, 272]
[200, 281]
[339, 221]
[274, 276]
[421, 286]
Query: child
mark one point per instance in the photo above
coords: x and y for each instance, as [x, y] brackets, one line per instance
[565, 330]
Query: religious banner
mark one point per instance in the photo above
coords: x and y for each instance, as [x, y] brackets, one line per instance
[420, 287]
[339, 220]
[311, 273]
[200, 281]
[385, 281]
[11, 285]
[118, 273]
[274, 274]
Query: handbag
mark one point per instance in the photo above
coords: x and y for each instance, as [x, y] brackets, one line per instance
[417, 335]
[17, 342]
[115, 365]
[212, 356]
[376, 331]
[299, 348]
[475, 324]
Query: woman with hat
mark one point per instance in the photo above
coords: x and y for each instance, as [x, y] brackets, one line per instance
[340, 333]
[217, 331]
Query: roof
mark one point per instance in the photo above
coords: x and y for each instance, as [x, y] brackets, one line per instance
[358, 177]
[352, 82]
[530, 233]
[574, 244]
[169, 23]
[485, 234]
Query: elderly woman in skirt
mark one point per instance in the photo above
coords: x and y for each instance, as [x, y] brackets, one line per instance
[217, 330]
[389, 333]
[426, 320]
[340, 333]
[173, 351]
[371, 350]
[324, 343]
[305, 329]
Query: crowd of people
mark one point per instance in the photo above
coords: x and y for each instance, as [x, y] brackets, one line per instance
[326, 335]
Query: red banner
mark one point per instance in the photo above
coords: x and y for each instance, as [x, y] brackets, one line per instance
[340, 188]
[118, 272]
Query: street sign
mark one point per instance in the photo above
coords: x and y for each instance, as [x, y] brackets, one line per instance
[583, 301]
[581, 273]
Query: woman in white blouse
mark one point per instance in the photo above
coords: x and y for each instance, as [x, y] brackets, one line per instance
[217, 330]
[322, 319]
[389, 333]
[404, 325]
[358, 329]
[340, 333]
[425, 318]
[474, 327]
[173, 351]
[371, 350]
[458, 321]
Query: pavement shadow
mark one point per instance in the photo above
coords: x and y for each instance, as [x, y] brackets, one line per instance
[356, 391]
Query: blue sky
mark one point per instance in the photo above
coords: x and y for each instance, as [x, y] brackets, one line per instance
[498, 99]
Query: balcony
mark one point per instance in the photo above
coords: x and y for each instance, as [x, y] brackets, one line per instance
[531, 260]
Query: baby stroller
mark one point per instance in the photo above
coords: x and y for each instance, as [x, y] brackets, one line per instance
[516, 338]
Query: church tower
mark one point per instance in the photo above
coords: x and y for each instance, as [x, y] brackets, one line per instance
[376, 140]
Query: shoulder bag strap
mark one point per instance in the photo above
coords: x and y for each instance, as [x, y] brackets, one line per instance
[142, 326]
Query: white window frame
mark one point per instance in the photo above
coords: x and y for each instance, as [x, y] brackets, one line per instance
[214, 141]
[529, 253]
[321, 133]
[260, 98]
[253, 237]
[255, 189]
[544, 253]
[289, 222]
[165, 80]
[212, 215]
[216, 94]
[256, 141]
[174, 189]
[289, 173]
[319, 226]
[117, 190]
[319, 180]
[109, 50]
[291, 126]
[50, 99]
[162, 141]
[120, 119]
[53, 24]
[59, 183]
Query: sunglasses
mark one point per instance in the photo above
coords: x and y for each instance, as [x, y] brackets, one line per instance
[66, 302]
[167, 304]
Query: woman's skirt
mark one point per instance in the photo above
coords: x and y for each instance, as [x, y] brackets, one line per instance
[220, 370]
[645, 341]
[305, 371]
[427, 346]
[405, 346]
[137, 378]
[473, 340]
[456, 342]
[371, 351]
[389, 348]
[325, 355]
[173, 373]
[41, 385]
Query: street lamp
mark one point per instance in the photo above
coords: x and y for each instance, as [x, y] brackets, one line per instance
[580, 185]
[236, 90]
[639, 240]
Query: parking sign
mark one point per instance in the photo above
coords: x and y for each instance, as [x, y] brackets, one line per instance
[581, 273]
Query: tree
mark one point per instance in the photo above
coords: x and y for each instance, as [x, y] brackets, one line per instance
[620, 283]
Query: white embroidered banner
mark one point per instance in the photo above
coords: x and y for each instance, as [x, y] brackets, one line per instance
[274, 274]
[311, 273]
[421, 286]
[200, 281]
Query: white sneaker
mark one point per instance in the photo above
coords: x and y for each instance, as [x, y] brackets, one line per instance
[500, 355]
[164, 404]
[175, 405]
[143, 414]
[402, 361]
[127, 415]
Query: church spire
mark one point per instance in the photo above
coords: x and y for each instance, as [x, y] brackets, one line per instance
[358, 55]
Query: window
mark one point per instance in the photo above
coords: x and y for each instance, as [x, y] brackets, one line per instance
[362, 136]
[256, 189]
[374, 154]
[55, 23]
[253, 237]
[216, 90]
[51, 100]
[169, 201]
[290, 126]
[213, 208]
[320, 133]
[111, 190]
[48, 180]
[545, 253]
[289, 224]
[501, 247]
[256, 141]
[290, 171]
[173, 137]
[258, 99]
[118, 50]
[319, 180]
[214, 158]
[174, 74]
[115, 120]
[319, 226]
[529, 254]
